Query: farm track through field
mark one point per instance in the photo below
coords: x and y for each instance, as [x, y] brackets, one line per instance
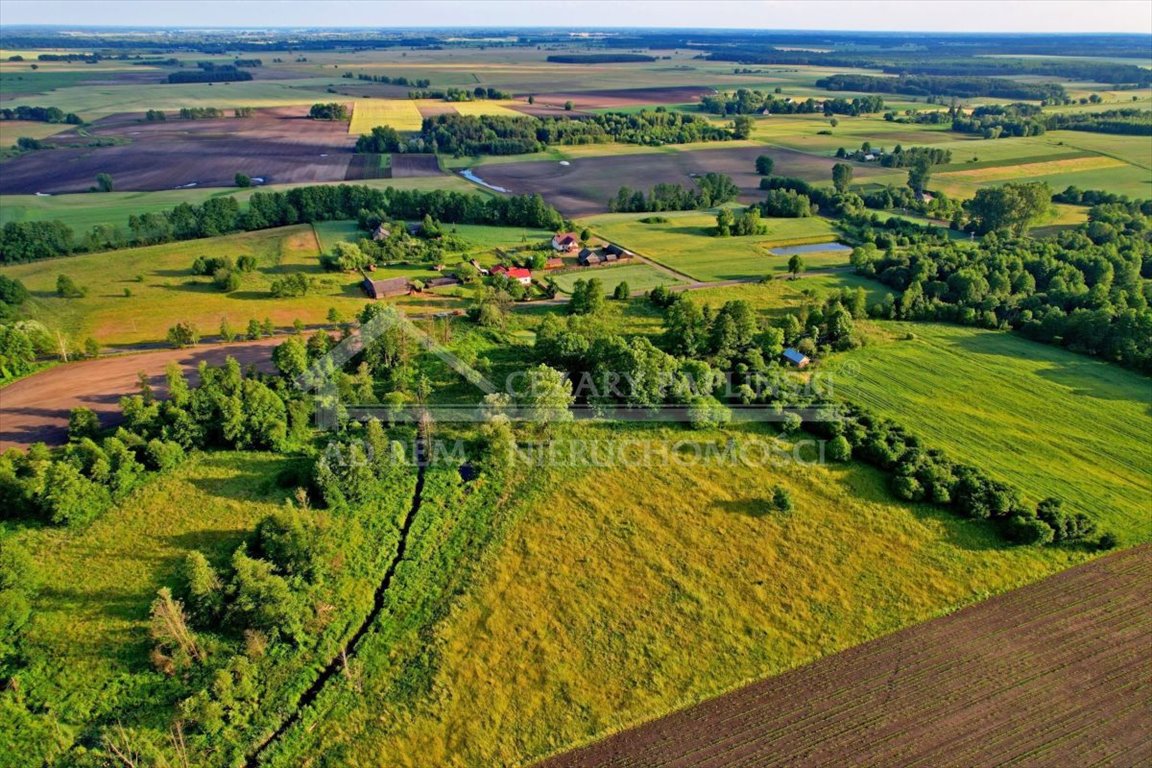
[1051, 674]
[340, 660]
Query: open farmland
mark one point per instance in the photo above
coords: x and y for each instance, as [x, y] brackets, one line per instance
[585, 185]
[1051, 422]
[686, 244]
[401, 114]
[141, 293]
[629, 591]
[640, 277]
[1053, 674]
[36, 409]
[278, 146]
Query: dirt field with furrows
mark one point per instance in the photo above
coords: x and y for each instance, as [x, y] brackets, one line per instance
[584, 186]
[1053, 674]
[624, 97]
[409, 166]
[278, 145]
[36, 408]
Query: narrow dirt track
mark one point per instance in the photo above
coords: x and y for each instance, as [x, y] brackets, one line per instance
[36, 409]
[1052, 674]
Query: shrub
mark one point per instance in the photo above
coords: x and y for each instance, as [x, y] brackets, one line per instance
[839, 449]
[66, 288]
[183, 334]
[82, 423]
[781, 499]
[708, 413]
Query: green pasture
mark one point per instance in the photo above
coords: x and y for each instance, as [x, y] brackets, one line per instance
[1051, 422]
[640, 277]
[686, 244]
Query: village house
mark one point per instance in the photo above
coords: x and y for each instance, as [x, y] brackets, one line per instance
[795, 357]
[381, 232]
[565, 242]
[589, 258]
[554, 263]
[519, 274]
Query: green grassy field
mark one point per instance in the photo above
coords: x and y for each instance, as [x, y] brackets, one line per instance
[623, 593]
[640, 277]
[89, 631]
[686, 244]
[1051, 422]
[168, 292]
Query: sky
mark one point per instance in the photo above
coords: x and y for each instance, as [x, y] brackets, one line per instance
[883, 15]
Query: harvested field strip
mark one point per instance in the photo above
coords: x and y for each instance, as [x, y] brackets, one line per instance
[1046, 168]
[1050, 674]
[487, 108]
[401, 114]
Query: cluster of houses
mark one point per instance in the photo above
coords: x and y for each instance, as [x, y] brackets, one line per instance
[567, 243]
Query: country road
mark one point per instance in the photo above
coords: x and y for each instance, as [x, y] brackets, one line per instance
[35, 409]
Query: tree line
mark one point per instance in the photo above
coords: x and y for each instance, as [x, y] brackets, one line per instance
[711, 189]
[503, 135]
[947, 85]
[1085, 289]
[40, 115]
[744, 101]
[33, 240]
[221, 73]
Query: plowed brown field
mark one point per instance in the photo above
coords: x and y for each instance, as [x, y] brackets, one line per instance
[1053, 674]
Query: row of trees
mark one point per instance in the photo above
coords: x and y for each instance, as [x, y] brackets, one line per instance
[1084, 289]
[711, 189]
[29, 241]
[745, 101]
[214, 73]
[40, 115]
[946, 85]
[388, 80]
[504, 135]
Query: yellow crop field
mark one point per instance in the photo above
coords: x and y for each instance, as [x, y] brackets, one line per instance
[1028, 170]
[486, 108]
[401, 114]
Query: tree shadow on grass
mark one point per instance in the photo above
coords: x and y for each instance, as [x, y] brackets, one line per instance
[256, 480]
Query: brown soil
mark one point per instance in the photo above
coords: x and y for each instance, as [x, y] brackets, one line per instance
[409, 166]
[278, 145]
[433, 110]
[36, 408]
[585, 185]
[1053, 674]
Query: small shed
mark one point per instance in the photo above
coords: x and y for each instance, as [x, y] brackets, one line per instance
[554, 263]
[795, 357]
[381, 232]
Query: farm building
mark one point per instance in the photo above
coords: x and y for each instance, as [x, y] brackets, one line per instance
[519, 274]
[621, 253]
[381, 233]
[379, 289]
[554, 263]
[443, 280]
[565, 242]
[796, 358]
[589, 258]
